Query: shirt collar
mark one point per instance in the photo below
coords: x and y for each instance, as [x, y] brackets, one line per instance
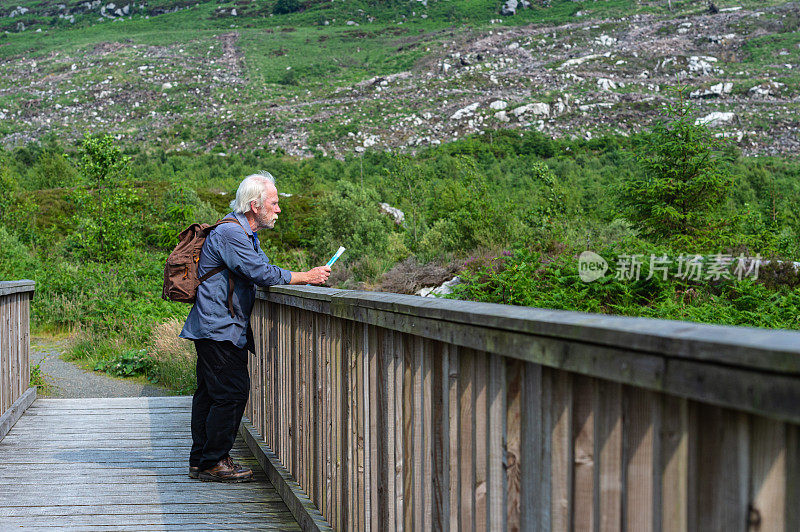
[242, 220]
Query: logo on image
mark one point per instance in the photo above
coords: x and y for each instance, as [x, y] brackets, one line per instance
[591, 266]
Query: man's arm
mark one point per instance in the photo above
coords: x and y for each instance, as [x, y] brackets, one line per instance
[316, 275]
[240, 257]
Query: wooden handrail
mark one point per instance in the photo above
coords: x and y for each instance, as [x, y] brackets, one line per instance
[398, 410]
[15, 392]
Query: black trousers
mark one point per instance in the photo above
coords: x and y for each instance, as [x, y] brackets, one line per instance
[223, 386]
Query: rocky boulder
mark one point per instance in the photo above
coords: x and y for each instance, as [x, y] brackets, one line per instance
[716, 119]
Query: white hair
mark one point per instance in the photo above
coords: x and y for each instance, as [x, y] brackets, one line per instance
[252, 188]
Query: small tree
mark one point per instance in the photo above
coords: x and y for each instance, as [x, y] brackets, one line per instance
[683, 181]
[104, 222]
[409, 179]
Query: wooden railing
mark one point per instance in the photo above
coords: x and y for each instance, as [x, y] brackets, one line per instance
[15, 392]
[398, 412]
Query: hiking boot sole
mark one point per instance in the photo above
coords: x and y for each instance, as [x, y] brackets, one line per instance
[205, 477]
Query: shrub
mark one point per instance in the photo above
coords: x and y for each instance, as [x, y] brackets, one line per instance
[349, 217]
[284, 7]
[127, 364]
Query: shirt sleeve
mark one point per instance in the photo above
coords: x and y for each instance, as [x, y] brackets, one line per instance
[237, 252]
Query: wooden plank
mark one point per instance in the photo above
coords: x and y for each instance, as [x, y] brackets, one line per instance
[295, 394]
[5, 348]
[24, 286]
[537, 461]
[639, 458]
[328, 423]
[497, 433]
[199, 522]
[768, 475]
[418, 454]
[14, 348]
[720, 478]
[481, 439]
[362, 437]
[26, 344]
[253, 509]
[466, 450]
[389, 467]
[428, 432]
[792, 477]
[349, 348]
[306, 468]
[407, 416]
[339, 418]
[609, 444]
[454, 436]
[514, 392]
[399, 433]
[440, 418]
[373, 430]
[319, 412]
[674, 464]
[584, 408]
[561, 451]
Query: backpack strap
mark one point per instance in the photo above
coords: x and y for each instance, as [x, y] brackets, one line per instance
[221, 268]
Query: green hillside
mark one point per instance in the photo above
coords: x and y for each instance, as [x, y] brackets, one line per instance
[511, 144]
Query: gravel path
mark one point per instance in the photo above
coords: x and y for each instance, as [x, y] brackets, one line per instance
[68, 380]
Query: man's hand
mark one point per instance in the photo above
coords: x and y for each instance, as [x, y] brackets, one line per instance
[316, 275]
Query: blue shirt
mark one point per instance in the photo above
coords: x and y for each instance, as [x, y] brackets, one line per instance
[237, 249]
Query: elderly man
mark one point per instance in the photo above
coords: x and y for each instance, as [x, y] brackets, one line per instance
[222, 334]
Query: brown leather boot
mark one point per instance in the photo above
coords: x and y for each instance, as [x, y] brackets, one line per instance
[239, 467]
[224, 471]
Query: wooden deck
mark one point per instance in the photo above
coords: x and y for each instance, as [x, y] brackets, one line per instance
[121, 464]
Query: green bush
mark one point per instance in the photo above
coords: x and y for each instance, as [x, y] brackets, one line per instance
[284, 7]
[127, 364]
[349, 217]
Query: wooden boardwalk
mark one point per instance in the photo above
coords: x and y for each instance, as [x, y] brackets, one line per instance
[121, 464]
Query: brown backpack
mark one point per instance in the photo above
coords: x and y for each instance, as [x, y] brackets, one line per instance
[180, 272]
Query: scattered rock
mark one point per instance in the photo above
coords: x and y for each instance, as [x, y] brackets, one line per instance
[721, 39]
[465, 112]
[509, 8]
[536, 109]
[166, 86]
[606, 84]
[605, 40]
[720, 89]
[394, 212]
[442, 290]
[580, 60]
[716, 119]
[772, 88]
[701, 64]
[502, 116]
[498, 105]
